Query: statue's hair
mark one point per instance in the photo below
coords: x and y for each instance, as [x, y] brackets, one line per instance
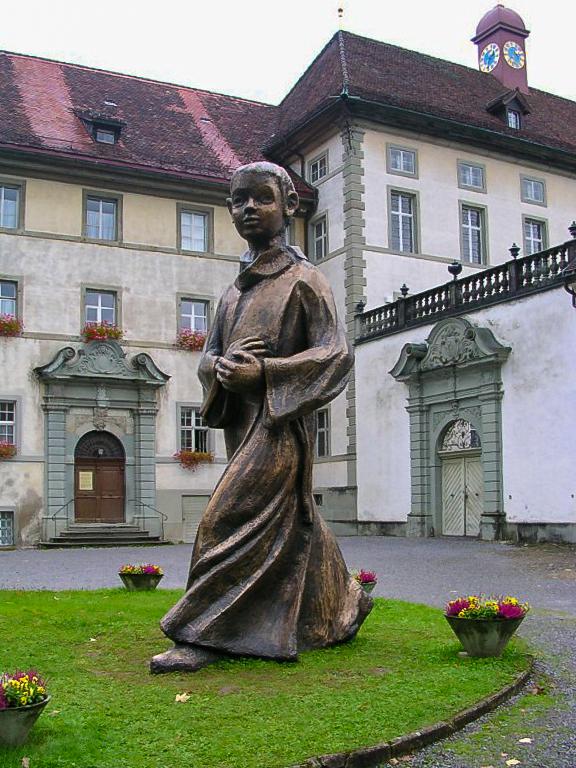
[271, 169]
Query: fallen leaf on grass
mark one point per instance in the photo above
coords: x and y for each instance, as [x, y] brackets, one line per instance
[525, 741]
[182, 697]
[56, 598]
[25, 762]
[513, 761]
[53, 712]
[92, 639]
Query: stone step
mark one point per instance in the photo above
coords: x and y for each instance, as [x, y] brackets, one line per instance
[119, 534]
[104, 542]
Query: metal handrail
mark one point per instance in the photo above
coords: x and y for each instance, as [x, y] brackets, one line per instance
[161, 515]
[55, 515]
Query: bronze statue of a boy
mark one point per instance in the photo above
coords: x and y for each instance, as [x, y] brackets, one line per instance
[267, 578]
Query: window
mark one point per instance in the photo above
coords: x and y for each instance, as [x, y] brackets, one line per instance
[323, 432]
[101, 218]
[193, 315]
[402, 161]
[291, 232]
[8, 297]
[193, 430]
[534, 236]
[318, 168]
[9, 207]
[194, 231]
[105, 135]
[100, 306]
[8, 422]
[473, 245]
[320, 238]
[402, 222]
[532, 190]
[6, 528]
[471, 176]
[513, 118]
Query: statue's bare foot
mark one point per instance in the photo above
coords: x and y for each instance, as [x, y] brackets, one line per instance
[183, 658]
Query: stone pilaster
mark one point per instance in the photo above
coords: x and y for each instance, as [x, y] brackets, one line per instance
[145, 455]
[492, 520]
[55, 464]
[354, 265]
[419, 522]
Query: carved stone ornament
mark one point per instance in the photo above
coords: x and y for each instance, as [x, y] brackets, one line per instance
[102, 359]
[100, 416]
[472, 414]
[452, 342]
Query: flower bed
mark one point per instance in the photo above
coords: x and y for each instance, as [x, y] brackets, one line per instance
[191, 459]
[10, 325]
[193, 341]
[101, 332]
[7, 450]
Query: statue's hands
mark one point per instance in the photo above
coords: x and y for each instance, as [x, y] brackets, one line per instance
[252, 344]
[244, 373]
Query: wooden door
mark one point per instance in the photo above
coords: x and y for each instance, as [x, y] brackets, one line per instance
[474, 499]
[462, 495]
[99, 490]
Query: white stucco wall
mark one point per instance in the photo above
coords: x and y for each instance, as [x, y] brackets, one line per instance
[538, 413]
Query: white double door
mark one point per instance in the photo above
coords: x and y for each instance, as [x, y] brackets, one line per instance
[462, 495]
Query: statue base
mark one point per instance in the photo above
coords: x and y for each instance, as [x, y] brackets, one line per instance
[183, 658]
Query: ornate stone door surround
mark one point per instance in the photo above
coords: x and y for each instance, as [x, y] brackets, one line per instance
[454, 374]
[107, 392]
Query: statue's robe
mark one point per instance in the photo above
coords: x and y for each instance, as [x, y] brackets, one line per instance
[267, 577]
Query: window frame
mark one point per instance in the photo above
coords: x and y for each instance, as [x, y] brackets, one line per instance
[209, 234]
[12, 511]
[401, 148]
[524, 178]
[415, 219]
[20, 185]
[18, 280]
[313, 161]
[103, 196]
[462, 185]
[536, 220]
[209, 432]
[17, 403]
[100, 288]
[323, 216]
[194, 297]
[518, 119]
[485, 260]
[327, 433]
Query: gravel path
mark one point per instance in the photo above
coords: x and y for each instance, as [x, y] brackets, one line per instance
[419, 570]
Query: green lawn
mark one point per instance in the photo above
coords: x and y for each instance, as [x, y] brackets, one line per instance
[401, 672]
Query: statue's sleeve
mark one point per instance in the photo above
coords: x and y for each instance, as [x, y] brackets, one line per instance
[301, 383]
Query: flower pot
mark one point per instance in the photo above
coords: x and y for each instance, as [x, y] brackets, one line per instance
[483, 637]
[368, 586]
[16, 722]
[140, 582]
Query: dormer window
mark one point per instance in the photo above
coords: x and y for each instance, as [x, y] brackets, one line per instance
[105, 135]
[513, 118]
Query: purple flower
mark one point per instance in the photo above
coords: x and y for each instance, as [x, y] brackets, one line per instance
[509, 611]
[455, 606]
[3, 699]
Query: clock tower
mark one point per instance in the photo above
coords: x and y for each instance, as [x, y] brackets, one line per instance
[500, 37]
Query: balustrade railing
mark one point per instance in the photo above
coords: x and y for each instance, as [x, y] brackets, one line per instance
[514, 279]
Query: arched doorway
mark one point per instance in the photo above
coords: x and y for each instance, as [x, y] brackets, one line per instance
[460, 453]
[99, 485]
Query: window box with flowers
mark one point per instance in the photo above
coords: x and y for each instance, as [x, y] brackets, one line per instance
[101, 332]
[10, 325]
[191, 459]
[23, 696]
[484, 625]
[193, 341]
[7, 450]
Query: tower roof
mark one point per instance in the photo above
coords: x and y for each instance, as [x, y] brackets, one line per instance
[500, 16]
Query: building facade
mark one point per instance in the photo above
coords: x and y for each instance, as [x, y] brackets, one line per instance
[112, 213]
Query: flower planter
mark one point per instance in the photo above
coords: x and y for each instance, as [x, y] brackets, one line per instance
[16, 722]
[368, 586]
[140, 582]
[484, 637]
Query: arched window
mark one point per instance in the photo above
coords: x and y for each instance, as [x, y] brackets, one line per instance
[99, 445]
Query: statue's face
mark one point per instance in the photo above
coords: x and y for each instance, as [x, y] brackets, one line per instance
[256, 206]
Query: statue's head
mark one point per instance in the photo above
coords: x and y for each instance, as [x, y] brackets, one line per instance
[262, 200]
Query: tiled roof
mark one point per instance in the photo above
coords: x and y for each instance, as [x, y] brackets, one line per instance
[388, 75]
[171, 129]
[165, 128]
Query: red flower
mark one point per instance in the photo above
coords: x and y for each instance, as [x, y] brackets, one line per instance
[10, 325]
[101, 332]
[193, 341]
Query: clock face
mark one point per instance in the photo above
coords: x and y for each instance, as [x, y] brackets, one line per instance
[489, 57]
[514, 55]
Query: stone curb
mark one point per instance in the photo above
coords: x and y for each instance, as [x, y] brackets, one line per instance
[372, 757]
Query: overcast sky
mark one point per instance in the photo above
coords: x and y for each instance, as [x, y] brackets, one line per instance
[258, 48]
